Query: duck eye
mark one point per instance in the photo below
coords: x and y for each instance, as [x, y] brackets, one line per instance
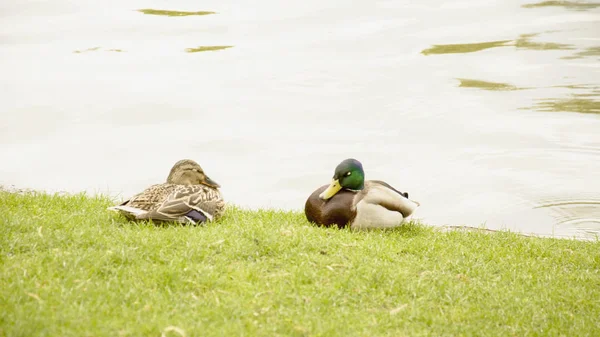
[348, 174]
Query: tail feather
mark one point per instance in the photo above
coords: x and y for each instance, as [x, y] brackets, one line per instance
[128, 209]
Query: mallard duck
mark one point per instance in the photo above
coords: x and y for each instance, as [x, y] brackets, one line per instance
[188, 196]
[351, 201]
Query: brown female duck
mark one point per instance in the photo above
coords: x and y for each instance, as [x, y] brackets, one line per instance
[188, 196]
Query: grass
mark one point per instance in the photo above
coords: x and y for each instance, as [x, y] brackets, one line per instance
[71, 268]
[150, 11]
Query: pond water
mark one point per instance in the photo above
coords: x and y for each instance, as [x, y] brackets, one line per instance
[486, 112]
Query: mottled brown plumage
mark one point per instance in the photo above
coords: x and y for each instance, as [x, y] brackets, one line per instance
[188, 196]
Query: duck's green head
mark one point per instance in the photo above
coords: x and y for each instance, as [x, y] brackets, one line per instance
[348, 174]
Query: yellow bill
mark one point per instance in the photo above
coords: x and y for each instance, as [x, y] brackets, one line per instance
[333, 188]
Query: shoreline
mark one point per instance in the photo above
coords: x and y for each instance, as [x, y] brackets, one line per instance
[441, 228]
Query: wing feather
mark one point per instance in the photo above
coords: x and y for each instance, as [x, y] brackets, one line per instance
[182, 200]
[385, 195]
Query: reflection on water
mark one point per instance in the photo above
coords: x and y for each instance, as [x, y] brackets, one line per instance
[206, 48]
[577, 86]
[583, 105]
[96, 49]
[470, 83]
[582, 100]
[581, 214]
[463, 48]
[588, 52]
[573, 5]
[86, 50]
[307, 85]
[592, 93]
[524, 42]
[172, 13]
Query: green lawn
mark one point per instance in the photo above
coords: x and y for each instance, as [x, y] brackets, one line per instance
[71, 268]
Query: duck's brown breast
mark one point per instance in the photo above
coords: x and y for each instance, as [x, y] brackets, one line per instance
[338, 210]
